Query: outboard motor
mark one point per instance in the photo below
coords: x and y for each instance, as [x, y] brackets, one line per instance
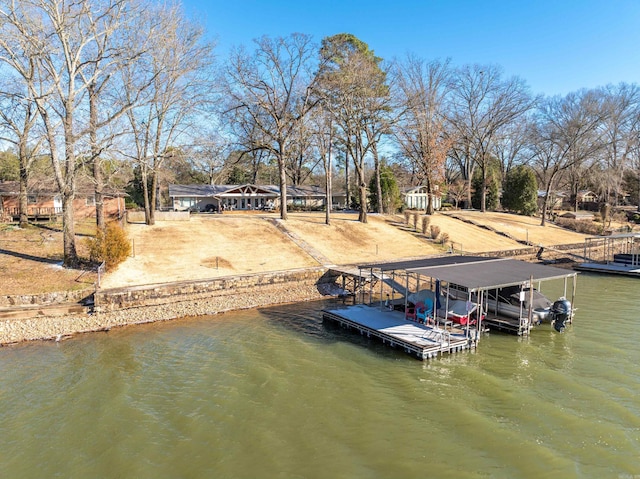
[561, 311]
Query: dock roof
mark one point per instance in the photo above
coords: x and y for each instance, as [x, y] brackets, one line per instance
[425, 262]
[476, 272]
[495, 273]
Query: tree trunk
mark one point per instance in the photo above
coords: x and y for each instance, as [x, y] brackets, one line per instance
[144, 176]
[347, 181]
[483, 196]
[362, 216]
[469, 174]
[376, 160]
[24, 203]
[283, 188]
[153, 197]
[68, 231]
[95, 153]
[69, 190]
[329, 188]
[99, 198]
[429, 208]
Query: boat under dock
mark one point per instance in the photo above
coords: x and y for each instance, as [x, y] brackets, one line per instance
[421, 340]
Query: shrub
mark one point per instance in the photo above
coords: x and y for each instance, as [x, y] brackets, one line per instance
[111, 246]
[425, 224]
[619, 217]
[444, 237]
[407, 217]
[435, 231]
[415, 221]
[581, 226]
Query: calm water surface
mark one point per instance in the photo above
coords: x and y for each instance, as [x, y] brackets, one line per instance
[277, 393]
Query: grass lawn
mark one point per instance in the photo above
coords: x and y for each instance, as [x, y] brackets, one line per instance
[209, 246]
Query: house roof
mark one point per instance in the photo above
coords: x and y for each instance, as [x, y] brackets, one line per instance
[207, 191]
[557, 194]
[414, 189]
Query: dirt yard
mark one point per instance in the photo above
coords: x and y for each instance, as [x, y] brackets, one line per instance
[208, 246]
[31, 262]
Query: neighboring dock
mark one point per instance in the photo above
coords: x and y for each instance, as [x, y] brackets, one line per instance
[621, 255]
[391, 327]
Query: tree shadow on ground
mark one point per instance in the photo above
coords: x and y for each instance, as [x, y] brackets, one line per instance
[30, 257]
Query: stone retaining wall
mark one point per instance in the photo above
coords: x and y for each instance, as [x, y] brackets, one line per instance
[152, 295]
[44, 298]
[165, 302]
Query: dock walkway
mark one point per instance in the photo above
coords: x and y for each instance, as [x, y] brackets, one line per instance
[423, 341]
[610, 268]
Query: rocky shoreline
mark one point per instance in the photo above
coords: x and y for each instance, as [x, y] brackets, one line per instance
[58, 327]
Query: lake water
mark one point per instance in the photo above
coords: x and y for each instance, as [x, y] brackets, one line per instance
[275, 393]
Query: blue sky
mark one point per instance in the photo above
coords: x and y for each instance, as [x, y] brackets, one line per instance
[556, 46]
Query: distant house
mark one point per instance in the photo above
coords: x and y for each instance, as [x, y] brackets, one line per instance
[417, 198]
[554, 202]
[587, 196]
[583, 200]
[44, 202]
[209, 198]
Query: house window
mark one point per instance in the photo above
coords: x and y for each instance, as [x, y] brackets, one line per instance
[32, 199]
[188, 202]
[91, 200]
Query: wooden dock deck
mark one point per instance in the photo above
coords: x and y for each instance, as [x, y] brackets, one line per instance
[423, 341]
[610, 268]
[506, 325]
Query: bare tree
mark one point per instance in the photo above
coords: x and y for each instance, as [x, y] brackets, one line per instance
[58, 41]
[457, 191]
[619, 128]
[485, 103]
[353, 88]
[18, 117]
[565, 135]
[301, 163]
[116, 43]
[321, 123]
[511, 146]
[210, 156]
[269, 90]
[421, 127]
[174, 75]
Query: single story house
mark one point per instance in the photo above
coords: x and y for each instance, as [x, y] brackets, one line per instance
[242, 197]
[43, 201]
[587, 196]
[417, 198]
[556, 198]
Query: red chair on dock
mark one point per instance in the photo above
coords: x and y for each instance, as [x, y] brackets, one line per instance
[411, 311]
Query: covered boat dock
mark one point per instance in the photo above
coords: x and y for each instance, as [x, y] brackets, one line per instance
[457, 291]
